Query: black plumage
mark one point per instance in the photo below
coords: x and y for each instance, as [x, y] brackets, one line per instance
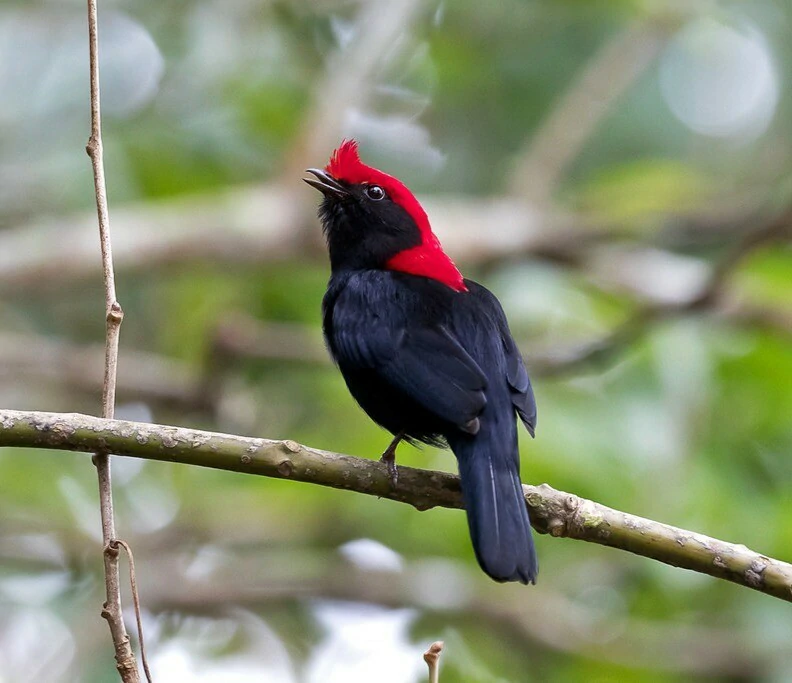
[429, 359]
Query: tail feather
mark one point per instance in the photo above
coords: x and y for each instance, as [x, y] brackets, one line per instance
[496, 509]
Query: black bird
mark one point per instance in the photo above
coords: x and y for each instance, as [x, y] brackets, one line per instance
[426, 353]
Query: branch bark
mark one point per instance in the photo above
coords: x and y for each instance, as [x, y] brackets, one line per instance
[555, 512]
[125, 658]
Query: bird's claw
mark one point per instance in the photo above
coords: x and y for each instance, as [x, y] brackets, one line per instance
[389, 458]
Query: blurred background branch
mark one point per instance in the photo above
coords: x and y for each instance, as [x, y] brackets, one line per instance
[577, 113]
[258, 226]
[239, 338]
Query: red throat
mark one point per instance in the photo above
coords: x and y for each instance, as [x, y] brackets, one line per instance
[427, 258]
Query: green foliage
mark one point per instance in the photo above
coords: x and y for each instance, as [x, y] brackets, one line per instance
[688, 424]
[631, 193]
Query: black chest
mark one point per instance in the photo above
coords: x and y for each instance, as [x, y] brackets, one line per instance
[365, 315]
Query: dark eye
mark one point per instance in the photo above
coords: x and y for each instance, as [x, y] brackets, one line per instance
[375, 192]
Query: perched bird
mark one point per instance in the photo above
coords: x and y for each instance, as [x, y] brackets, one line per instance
[426, 353]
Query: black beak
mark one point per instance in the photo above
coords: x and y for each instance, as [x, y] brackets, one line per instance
[326, 184]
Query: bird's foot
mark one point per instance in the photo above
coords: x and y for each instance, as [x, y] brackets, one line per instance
[389, 458]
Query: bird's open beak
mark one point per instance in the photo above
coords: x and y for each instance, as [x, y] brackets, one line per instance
[326, 184]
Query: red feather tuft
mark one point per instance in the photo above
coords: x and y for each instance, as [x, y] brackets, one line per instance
[428, 258]
[345, 161]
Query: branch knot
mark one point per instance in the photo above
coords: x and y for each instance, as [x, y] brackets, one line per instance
[93, 146]
[116, 314]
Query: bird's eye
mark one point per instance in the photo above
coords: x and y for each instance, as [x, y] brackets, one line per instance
[375, 192]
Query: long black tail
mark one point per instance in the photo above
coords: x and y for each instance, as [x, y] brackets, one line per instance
[496, 510]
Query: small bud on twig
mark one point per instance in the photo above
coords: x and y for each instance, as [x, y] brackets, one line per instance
[432, 659]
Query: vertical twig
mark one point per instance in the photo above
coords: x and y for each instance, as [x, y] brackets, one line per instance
[125, 658]
[432, 659]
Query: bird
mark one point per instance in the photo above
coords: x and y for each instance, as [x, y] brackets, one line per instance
[426, 353]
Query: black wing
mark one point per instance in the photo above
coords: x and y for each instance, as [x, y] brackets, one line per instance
[522, 395]
[520, 384]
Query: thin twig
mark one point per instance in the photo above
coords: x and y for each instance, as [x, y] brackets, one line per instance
[554, 512]
[432, 659]
[125, 658]
[136, 602]
[777, 229]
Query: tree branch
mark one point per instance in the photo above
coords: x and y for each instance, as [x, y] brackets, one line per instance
[125, 658]
[554, 512]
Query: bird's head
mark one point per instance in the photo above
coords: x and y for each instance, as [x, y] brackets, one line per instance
[372, 221]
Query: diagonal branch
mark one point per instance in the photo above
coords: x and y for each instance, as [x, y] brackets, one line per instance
[554, 512]
[709, 296]
[574, 118]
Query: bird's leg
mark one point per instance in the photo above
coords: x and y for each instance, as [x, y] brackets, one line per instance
[389, 458]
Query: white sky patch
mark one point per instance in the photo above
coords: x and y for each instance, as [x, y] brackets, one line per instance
[720, 81]
[402, 137]
[192, 655]
[50, 73]
[35, 646]
[659, 275]
[440, 584]
[365, 643]
[154, 505]
[83, 507]
[371, 555]
[34, 589]
[132, 65]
